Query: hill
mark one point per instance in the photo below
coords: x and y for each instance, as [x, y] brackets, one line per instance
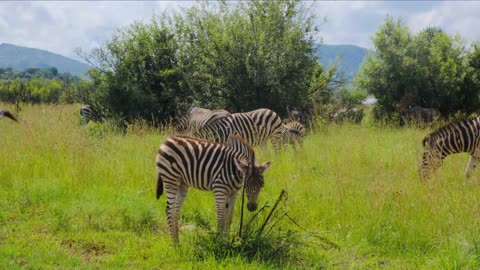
[21, 58]
[352, 57]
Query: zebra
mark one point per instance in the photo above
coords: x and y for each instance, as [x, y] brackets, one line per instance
[196, 119]
[88, 113]
[7, 114]
[254, 127]
[184, 162]
[457, 137]
[292, 133]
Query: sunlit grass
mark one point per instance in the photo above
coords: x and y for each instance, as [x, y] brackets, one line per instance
[83, 197]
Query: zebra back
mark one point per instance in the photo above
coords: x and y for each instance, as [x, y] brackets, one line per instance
[198, 118]
[256, 127]
[239, 146]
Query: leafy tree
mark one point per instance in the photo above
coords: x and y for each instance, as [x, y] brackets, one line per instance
[250, 55]
[431, 66]
[137, 74]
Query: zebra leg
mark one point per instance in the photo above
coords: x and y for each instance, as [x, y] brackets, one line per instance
[229, 211]
[294, 147]
[171, 210]
[221, 200]
[181, 195]
[277, 143]
[472, 163]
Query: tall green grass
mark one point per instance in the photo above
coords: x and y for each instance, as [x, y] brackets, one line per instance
[83, 197]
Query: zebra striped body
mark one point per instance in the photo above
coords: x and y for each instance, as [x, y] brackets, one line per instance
[292, 133]
[184, 162]
[255, 128]
[88, 113]
[457, 137]
[196, 119]
[8, 115]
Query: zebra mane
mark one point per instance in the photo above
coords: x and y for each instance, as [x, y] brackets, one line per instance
[237, 144]
[447, 127]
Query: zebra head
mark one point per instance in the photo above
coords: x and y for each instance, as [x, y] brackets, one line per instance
[432, 156]
[254, 182]
[252, 173]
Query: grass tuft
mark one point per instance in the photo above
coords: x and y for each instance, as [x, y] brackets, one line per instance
[265, 238]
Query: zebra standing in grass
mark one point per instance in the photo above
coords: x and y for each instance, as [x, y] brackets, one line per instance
[292, 133]
[88, 113]
[7, 114]
[457, 137]
[255, 128]
[184, 162]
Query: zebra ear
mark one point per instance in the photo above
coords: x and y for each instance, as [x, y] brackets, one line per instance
[262, 168]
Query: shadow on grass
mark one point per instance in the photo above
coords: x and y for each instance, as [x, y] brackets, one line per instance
[271, 237]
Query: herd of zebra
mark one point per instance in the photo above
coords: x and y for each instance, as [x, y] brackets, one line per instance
[212, 150]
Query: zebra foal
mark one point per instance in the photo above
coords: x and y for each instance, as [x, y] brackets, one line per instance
[458, 137]
[184, 162]
[293, 133]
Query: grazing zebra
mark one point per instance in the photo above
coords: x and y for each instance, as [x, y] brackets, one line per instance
[196, 119]
[88, 113]
[184, 162]
[255, 128]
[457, 137]
[8, 115]
[292, 133]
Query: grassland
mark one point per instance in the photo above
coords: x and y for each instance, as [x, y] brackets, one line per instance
[83, 197]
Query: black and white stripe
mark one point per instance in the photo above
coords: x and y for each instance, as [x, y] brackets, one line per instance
[293, 133]
[7, 114]
[255, 128]
[88, 113]
[184, 162]
[457, 137]
[196, 119]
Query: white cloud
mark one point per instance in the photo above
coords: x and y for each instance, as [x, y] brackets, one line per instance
[63, 26]
[457, 17]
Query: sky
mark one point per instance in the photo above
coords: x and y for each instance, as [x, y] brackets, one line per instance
[62, 26]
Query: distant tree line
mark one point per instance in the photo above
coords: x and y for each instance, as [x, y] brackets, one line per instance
[42, 85]
[252, 54]
[430, 69]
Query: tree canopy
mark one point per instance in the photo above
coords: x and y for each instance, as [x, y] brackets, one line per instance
[438, 70]
[237, 57]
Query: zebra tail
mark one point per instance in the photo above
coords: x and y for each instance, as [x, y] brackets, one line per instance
[159, 186]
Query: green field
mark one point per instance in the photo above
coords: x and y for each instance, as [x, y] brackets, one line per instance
[84, 197]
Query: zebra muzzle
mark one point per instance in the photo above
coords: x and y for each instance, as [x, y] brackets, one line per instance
[251, 207]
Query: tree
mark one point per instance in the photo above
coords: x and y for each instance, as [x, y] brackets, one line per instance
[137, 73]
[430, 66]
[250, 55]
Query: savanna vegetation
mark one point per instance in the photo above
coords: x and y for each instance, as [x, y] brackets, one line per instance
[84, 197]
[75, 196]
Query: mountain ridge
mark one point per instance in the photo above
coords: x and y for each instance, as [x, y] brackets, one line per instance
[352, 57]
[21, 58]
